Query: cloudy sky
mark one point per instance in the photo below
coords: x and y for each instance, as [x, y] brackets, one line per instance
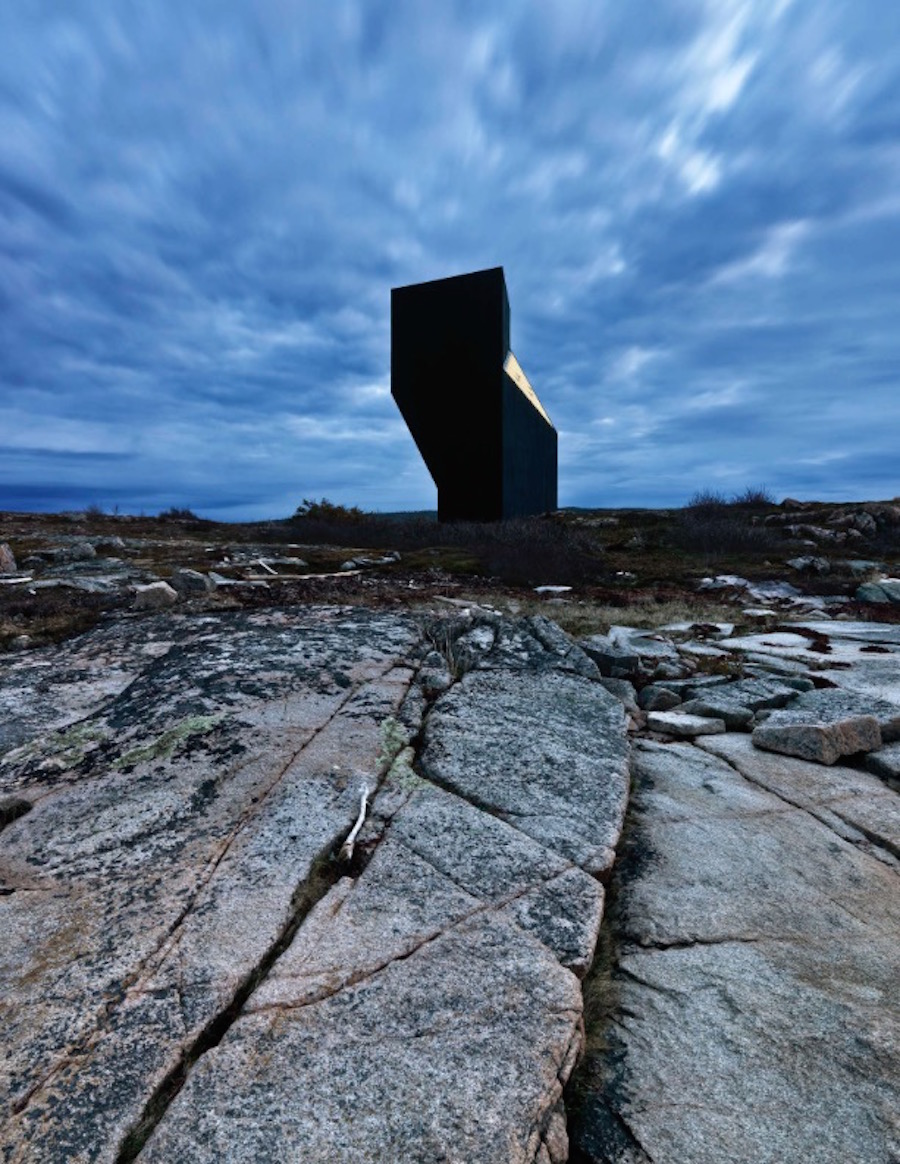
[204, 205]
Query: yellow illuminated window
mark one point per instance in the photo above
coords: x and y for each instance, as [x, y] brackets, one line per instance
[513, 369]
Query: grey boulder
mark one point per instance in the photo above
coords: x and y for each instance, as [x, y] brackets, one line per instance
[154, 596]
[825, 725]
[656, 697]
[886, 590]
[188, 582]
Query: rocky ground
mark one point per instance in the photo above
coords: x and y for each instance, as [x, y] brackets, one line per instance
[62, 573]
[198, 968]
[747, 1000]
[320, 852]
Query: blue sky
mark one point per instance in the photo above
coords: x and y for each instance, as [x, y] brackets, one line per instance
[204, 205]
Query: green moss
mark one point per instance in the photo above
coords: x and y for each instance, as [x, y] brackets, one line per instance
[165, 745]
[63, 749]
[396, 756]
[394, 738]
[403, 775]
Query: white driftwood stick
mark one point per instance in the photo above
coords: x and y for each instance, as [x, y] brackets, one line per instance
[266, 567]
[347, 847]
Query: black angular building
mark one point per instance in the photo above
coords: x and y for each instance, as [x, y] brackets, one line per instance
[487, 441]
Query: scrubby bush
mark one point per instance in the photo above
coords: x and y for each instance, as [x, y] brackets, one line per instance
[713, 524]
[753, 497]
[530, 550]
[176, 513]
[710, 501]
[326, 510]
[707, 501]
[533, 551]
[719, 533]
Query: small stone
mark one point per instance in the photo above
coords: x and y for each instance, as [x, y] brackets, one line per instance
[687, 688]
[92, 585]
[676, 723]
[622, 690]
[886, 764]
[797, 682]
[294, 562]
[887, 590]
[79, 552]
[810, 565]
[865, 523]
[817, 533]
[764, 592]
[154, 596]
[750, 695]
[611, 659]
[733, 714]
[7, 559]
[664, 670]
[833, 705]
[723, 581]
[657, 698]
[859, 567]
[815, 735]
[434, 677]
[553, 638]
[191, 582]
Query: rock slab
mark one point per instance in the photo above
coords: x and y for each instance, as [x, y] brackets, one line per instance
[825, 725]
[753, 1008]
[191, 972]
[684, 725]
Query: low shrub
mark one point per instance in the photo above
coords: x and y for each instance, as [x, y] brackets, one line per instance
[753, 497]
[327, 511]
[707, 501]
[532, 551]
[713, 524]
[176, 513]
[713, 532]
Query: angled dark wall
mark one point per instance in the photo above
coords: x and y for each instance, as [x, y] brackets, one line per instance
[490, 450]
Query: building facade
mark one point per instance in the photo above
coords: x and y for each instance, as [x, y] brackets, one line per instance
[485, 437]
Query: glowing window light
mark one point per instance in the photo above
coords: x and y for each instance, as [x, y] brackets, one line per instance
[513, 369]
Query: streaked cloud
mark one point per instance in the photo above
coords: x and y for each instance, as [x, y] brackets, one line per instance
[203, 208]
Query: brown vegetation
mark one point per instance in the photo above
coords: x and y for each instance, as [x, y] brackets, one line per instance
[638, 566]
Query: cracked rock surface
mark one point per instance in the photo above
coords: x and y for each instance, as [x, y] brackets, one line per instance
[190, 972]
[751, 981]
